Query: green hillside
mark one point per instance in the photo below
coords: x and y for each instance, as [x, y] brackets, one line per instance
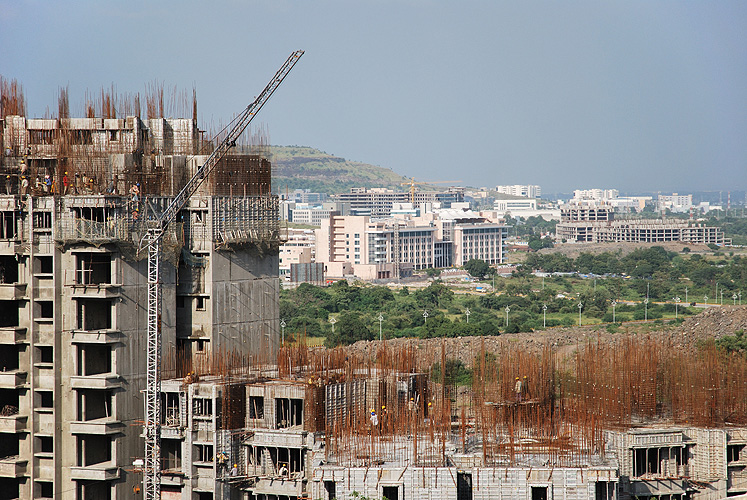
[298, 167]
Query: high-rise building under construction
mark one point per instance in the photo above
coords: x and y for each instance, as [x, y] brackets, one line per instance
[76, 196]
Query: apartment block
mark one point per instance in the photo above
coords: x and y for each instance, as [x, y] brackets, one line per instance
[73, 289]
[523, 190]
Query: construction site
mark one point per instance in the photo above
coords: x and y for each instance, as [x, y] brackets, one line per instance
[141, 352]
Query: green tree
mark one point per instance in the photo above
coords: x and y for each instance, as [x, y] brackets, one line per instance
[477, 268]
[350, 328]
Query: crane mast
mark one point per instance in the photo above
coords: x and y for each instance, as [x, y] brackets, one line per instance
[152, 241]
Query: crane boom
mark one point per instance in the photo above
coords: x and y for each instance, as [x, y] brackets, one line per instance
[152, 240]
[229, 141]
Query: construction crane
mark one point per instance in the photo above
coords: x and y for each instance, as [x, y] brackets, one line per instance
[412, 184]
[152, 241]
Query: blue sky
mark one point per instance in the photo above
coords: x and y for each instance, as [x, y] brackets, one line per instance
[633, 95]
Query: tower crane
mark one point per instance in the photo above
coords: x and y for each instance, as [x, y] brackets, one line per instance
[412, 184]
[152, 242]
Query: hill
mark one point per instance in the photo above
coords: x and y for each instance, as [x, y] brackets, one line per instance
[299, 167]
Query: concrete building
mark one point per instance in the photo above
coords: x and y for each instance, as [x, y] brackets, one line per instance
[304, 196]
[580, 195]
[386, 248]
[298, 248]
[373, 248]
[378, 202]
[73, 289]
[523, 190]
[675, 203]
[348, 429]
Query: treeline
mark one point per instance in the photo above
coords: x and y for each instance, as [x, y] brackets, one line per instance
[662, 273]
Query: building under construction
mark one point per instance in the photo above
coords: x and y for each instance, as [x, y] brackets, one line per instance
[77, 195]
[635, 420]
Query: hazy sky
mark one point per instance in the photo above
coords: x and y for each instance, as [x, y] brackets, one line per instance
[634, 95]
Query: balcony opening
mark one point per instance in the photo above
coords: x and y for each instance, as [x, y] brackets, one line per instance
[539, 493]
[10, 487]
[390, 492]
[8, 230]
[8, 313]
[45, 309]
[605, 490]
[9, 355]
[94, 314]
[92, 214]
[42, 220]
[464, 486]
[171, 454]
[46, 399]
[94, 404]
[45, 354]
[170, 416]
[45, 489]
[46, 444]
[94, 359]
[331, 488]
[202, 407]
[9, 445]
[257, 407]
[204, 495]
[93, 268]
[94, 450]
[8, 402]
[288, 412]
[43, 265]
[733, 452]
[8, 269]
[203, 453]
[93, 490]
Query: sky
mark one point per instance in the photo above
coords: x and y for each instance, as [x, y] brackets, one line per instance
[635, 95]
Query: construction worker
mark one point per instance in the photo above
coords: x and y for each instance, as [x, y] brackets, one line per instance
[525, 388]
[24, 186]
[47, 184]
[374, 418]
[135, 192]
[235, 470]
[8, 184]
[65, 183]
[517, 390]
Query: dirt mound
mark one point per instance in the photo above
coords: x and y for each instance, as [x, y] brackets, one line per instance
[714, 323]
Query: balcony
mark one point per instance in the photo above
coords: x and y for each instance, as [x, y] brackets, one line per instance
[97, 472]
[284, 439]
[96, 336]
[100, 426]
[279, 486]
[13, 467]
[101, 291]
[172, 432]
[12, 291]
[13, 335]
[102, 381]
[12, 379]
[13, 424]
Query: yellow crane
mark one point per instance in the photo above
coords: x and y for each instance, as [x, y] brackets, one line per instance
[412, 185]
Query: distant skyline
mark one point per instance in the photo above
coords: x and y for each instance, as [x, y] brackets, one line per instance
[632, 95]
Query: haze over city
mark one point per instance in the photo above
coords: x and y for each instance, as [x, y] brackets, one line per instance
[632, 95]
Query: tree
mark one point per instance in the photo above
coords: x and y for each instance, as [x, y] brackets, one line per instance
[477, 268]
[349, 329]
